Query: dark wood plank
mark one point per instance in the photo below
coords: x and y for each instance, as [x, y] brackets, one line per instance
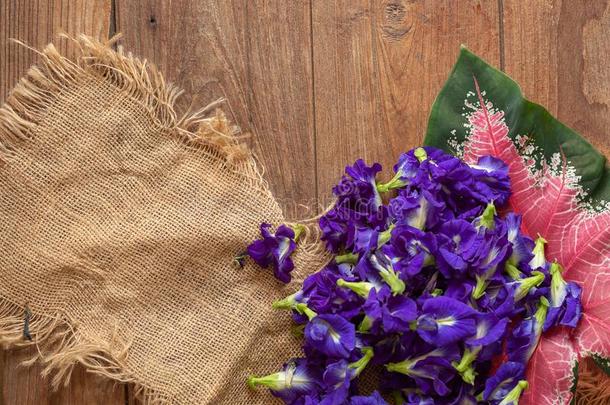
[25, 386]
[558, 52]
[255, 54]
[378, 66]
[37, 22]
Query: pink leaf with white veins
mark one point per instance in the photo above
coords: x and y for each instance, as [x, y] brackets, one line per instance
[549, 371]
[578, 239]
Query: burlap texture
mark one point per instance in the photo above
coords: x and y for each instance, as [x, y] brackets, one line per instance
[119, 222]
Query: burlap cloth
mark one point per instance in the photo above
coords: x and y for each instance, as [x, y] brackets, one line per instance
[119, 223]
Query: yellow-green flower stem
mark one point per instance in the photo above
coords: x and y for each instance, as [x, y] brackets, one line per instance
[512, 398]
[299, 230]
[398, 398]
[362, 288]
[391, 278]
[395, 182]
[286, 303]
[513, 272]
[557, 284]
[272, 381]
[403, 367]
[366, 324]
[420, 154]
[539, 259]
[464, 367]
[239, 259]
[486, 219]
[385, 236]
[541, 312]
[527, 284]
[480, 287]
[359, 365]
[298, 331]
[303, 309]
[351, 258]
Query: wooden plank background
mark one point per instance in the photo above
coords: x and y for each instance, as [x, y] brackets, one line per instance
[319, 83]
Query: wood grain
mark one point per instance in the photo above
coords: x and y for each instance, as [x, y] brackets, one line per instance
[257, 56]
[378, 67]
[319, 83]
[558, 52]
[21, 385]
[38, 22]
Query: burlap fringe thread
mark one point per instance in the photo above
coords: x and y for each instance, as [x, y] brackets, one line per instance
[593, 384]
[57, 340]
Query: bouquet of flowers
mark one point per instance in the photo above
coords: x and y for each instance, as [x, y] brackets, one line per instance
[476, 276]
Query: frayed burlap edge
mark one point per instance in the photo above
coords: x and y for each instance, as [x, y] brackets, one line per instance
[59, 345]
[59, 348]
[593, 386]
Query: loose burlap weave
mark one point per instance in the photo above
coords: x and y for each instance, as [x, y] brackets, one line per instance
[119, 222]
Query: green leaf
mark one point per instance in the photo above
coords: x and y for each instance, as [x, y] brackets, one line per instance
[574, 382]
[447, 122]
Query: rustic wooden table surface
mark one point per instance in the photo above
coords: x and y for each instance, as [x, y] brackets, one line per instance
[319, 83]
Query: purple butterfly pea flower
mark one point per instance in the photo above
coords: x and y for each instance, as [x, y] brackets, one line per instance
[378, 269]
[565, 306]
[527, 287]
[337, 380]
[322, 295]
[373, 399]
[503, 381]
[297, 378]
[457, 186]
[491, 180]
[459, 289]
[489, 331]
[462, 394]
[524, 338]
[493, 252]
[307, 400]
[421, 209]
[500, 300]
[417, 398]
[444, 320]
[395, 312]
[431, 371]
[365, 239]
[335, 231]
[438, 239]
[360, 172]
[521, 245]
[338, 376]
[358, 205]
[329, 334]
[396, 346]
[458, 245]
[411, 248]
[408, 167]
[275, 249]
[437, 167]
[360, 182]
